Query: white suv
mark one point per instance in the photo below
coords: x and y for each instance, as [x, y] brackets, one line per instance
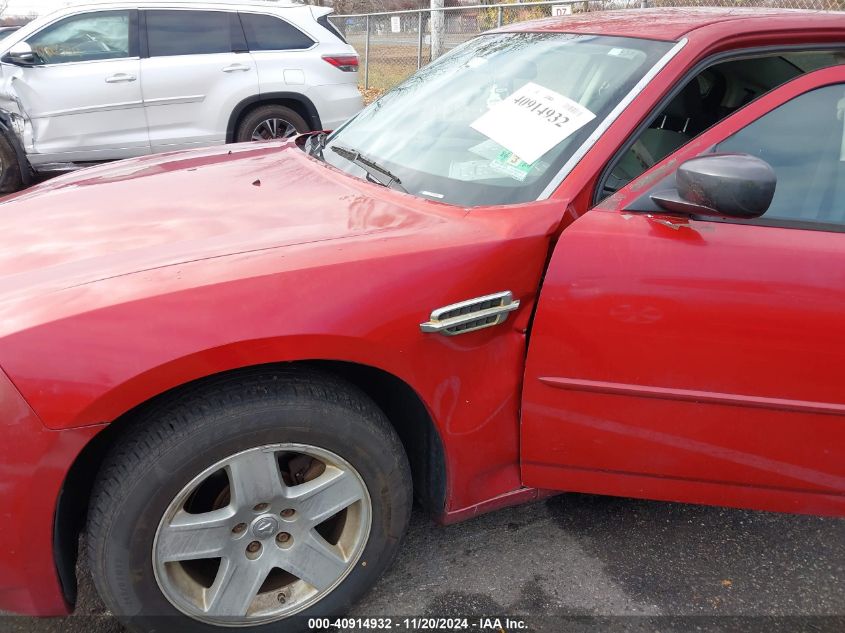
[111, 80]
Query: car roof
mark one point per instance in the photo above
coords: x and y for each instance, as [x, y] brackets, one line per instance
[671, 24]
[292, 10]
[197, 4]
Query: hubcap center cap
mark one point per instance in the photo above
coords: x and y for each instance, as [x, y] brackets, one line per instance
[265, 526]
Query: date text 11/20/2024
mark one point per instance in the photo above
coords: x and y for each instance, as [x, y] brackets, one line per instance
[485, 624]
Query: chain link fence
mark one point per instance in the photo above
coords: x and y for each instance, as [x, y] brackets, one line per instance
[393, 45]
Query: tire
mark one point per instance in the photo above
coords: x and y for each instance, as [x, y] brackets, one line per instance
[258, 124]
[10, 169]
[178, 443]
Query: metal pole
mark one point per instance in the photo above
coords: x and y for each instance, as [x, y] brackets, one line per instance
[367, 56]
[499, 18]
[420, 43]
[438, 28]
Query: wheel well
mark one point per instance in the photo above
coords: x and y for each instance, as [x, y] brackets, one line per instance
[400, 403]
[7, 130]
[299, 104]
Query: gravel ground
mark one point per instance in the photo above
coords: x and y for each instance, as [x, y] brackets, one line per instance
[581, 562]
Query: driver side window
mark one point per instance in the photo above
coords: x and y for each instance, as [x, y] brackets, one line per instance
[709, 97]
[804, 142]
[87, 37]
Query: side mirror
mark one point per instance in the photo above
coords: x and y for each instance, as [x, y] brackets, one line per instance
[21, 54]
[722, 185]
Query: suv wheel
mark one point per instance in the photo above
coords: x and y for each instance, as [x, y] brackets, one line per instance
[270, 122]
[254, 499]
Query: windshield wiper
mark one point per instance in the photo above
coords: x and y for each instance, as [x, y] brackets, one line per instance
[375, 171]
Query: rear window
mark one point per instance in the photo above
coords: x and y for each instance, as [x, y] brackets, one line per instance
[268, 33]
[189, 32]
[323, 21]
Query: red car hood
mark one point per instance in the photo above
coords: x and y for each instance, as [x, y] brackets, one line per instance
[169, 209]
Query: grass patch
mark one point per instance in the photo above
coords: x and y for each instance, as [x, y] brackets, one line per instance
[370, 94]
[390, 63]
[384, 74]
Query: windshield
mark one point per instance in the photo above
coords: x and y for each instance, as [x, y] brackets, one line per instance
[493, 121]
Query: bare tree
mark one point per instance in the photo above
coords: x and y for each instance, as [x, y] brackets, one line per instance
[4, 4]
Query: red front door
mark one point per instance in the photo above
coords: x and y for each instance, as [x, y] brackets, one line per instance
[697, 360]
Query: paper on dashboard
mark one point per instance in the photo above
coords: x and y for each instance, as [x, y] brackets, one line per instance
[532, 120]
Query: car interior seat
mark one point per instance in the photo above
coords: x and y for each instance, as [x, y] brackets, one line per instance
[683, 118]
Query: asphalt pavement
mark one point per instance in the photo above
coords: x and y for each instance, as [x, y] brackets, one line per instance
[581, 562]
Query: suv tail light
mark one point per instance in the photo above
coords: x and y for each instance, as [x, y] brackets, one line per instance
[346, 63]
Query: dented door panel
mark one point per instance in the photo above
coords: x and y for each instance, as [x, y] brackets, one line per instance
[82, 111]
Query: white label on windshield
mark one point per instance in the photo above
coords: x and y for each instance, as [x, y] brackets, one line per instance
[472, 170]
[532, 121]
[627, 53]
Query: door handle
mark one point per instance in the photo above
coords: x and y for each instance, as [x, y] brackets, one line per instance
[120, 78]
[233, 68]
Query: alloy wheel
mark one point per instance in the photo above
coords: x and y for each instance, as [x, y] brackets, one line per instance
[262, 534]
[273, 128]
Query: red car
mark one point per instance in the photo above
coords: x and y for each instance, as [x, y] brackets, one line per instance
[601, 253]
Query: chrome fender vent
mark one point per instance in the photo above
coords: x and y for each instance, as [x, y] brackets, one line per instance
[471, 315]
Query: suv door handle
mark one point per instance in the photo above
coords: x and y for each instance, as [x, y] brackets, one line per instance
[236, 67]
[120, 78]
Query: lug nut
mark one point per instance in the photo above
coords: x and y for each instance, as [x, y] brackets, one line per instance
[261, 507]
[253, 547]
[288, 513]
[283, 537]
[239, 528]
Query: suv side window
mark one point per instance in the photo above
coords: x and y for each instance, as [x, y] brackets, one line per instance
[171, 33]
[87, 37]
[268, 33]
[804, 141]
